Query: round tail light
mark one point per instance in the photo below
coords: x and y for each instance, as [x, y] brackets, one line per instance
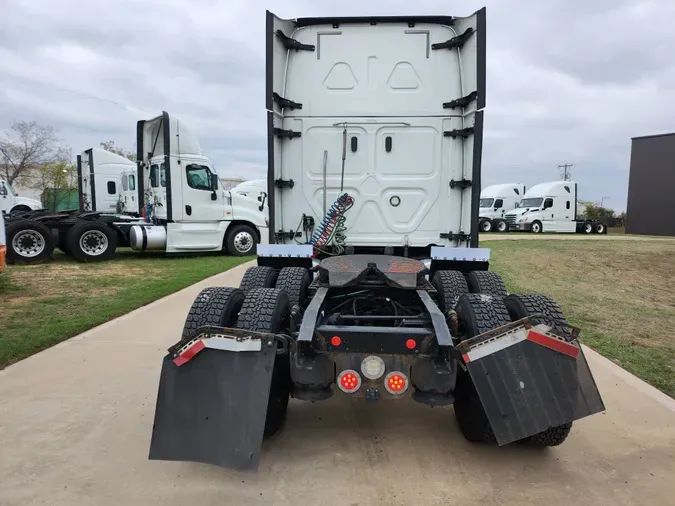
[372, 367]
[349, 381]
[396, 382]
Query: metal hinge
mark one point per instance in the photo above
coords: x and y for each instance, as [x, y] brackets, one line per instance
[292, 43]
[461, 132]
[463, 184]
[282, 183]
[285, 103]
[291, 234]
[281, 133]
[461, 102]
[459, 237]
[457, 41]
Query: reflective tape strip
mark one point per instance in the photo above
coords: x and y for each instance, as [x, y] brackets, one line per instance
[232, 345]
[216, 343]
[493, 346]
[190, 352]
[554, 344]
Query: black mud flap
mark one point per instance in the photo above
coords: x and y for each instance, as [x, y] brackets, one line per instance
[212, 409]
[529, 381]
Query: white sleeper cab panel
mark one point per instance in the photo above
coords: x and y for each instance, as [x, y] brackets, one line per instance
[374, 95]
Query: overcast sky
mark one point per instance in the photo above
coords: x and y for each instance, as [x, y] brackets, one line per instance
[568, 81]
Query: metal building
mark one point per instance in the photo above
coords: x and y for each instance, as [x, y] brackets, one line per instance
[650, 209]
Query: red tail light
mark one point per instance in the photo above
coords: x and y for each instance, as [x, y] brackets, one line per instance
[396, 382]
[349, 381]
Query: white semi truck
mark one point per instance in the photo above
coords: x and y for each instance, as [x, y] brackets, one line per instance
[552, 207]
[106, 182]
[495, 201]
[181, 206]
[372, 286]
[11, 203]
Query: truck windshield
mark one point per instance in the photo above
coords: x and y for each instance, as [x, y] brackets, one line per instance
[486, 202]
[534, 202]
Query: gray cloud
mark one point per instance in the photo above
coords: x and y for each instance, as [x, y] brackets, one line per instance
[568, 81]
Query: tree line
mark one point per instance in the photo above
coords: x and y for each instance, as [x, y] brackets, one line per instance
[33, 156]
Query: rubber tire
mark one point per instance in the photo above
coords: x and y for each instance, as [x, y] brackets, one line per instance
[77, 230]
[486, 282]
[587, 228]
[449, 285]
[520, 306]
[15, 227]
[267, 310]
[498, 223]
[486, 226]
[258, 277]
[295, 282]
[229, 240]
[478, 314]
[600, 228]
[217, 306]
[541, 228]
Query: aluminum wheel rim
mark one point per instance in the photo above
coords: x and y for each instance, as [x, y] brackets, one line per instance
[501, 227]
[243, 242]
[601, 229]
[28, 243]
[588, 229]
[487, 226]
[536, 228]
[93, 243]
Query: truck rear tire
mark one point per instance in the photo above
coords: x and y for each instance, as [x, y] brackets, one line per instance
[587, 228]
[91, 241]
[520, 306]
[28, 242]
[486, 282]
[536, 227]
[258, 277]
[241, 241]
[267, 310]
[217, 306]
[600, 228]
[449, 285]
[295, 282]
[477, 314]
[486, 226]
[501, 226]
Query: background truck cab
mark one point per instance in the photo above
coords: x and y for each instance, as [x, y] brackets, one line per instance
[10, 203]
[495, 202]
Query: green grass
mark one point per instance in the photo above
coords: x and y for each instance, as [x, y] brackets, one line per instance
[621, 294]
[41, 305]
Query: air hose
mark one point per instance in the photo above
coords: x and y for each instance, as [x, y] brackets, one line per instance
[332, 228]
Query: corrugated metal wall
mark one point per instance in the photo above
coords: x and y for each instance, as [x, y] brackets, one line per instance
[651, 185]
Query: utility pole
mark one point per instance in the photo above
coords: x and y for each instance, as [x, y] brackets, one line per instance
[566, 172]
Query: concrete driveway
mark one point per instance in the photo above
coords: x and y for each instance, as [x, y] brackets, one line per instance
[75, 423]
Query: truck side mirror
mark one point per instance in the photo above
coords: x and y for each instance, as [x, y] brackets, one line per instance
[214, 182]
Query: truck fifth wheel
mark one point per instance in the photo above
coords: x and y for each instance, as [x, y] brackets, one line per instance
[372, 285]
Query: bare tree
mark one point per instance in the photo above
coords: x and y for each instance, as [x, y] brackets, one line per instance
[110, 146]
[27, 147]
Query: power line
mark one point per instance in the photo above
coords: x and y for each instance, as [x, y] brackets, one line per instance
[76, 92]
[567, 174]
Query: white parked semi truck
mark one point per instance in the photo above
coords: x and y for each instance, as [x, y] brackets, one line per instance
[495, 202]
[552, 207]
[181, 203]
[372, 285]
[11, 203]
[106, 182]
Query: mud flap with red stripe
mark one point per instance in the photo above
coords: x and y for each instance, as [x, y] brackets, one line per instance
[212, 402]
[530, 379]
